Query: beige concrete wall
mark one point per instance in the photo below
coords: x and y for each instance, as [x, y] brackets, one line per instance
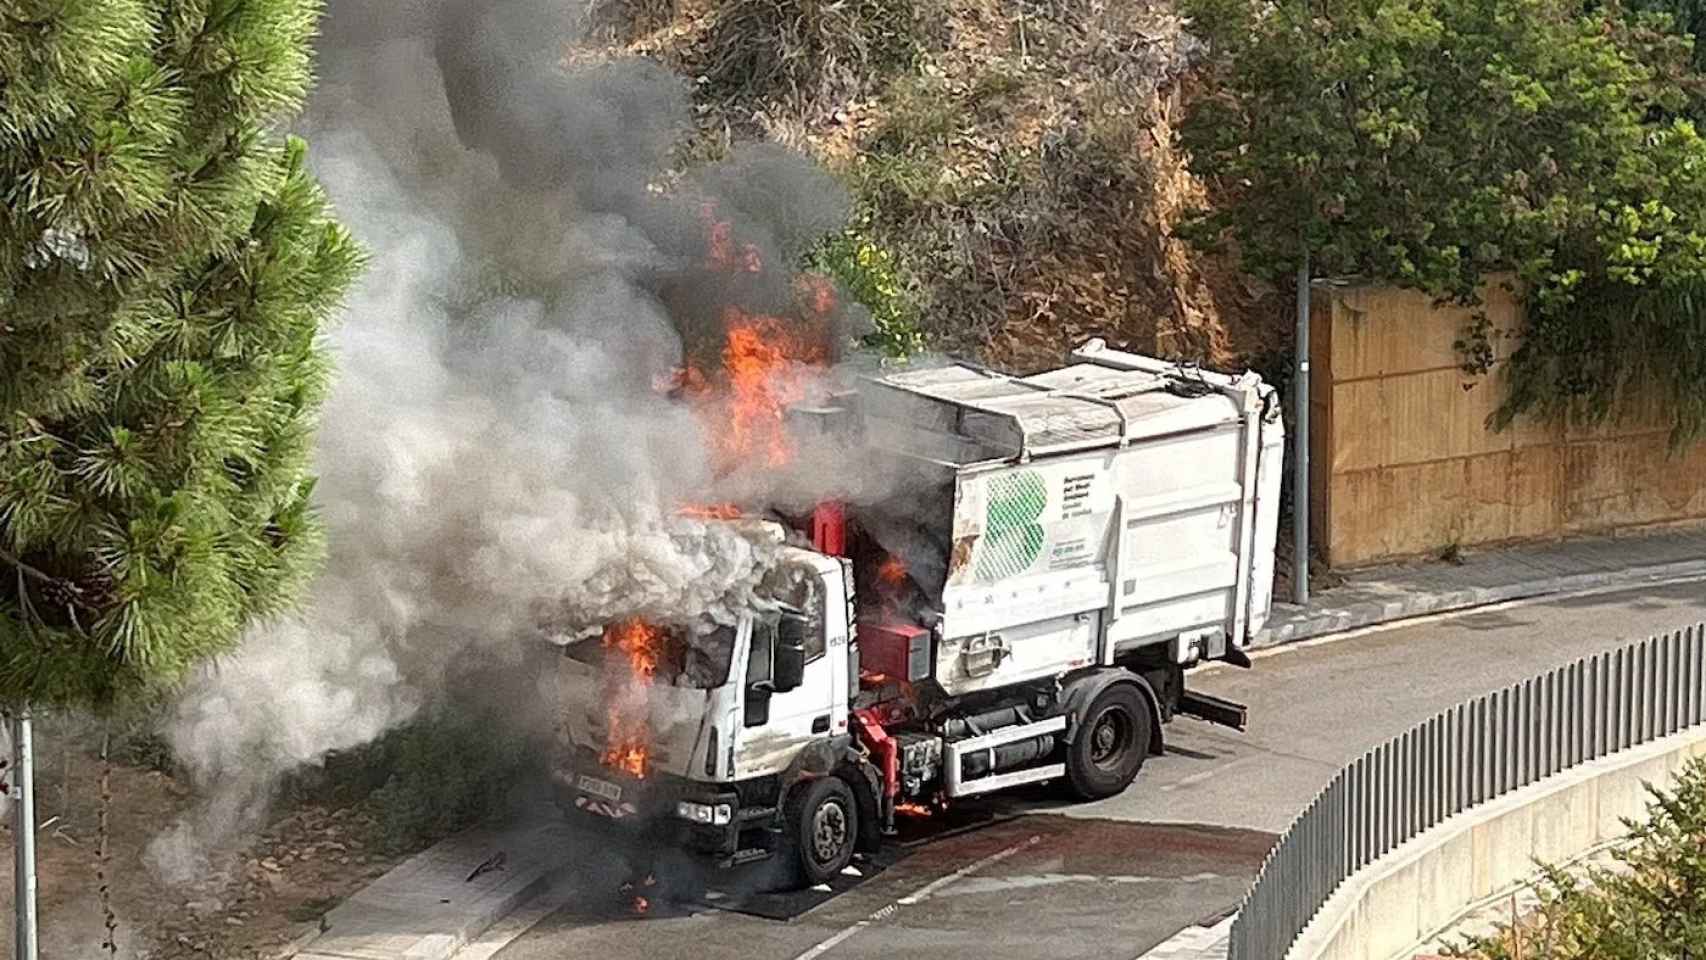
[1402, 463]
[1387, 910]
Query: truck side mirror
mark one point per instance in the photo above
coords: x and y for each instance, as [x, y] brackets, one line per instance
[790, 669]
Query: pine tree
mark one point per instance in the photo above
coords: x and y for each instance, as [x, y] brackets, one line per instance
[166, 264]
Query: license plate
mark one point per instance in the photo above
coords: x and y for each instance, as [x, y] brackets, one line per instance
[599, 788]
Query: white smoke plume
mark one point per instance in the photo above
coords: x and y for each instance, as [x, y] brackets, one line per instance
[494, 454]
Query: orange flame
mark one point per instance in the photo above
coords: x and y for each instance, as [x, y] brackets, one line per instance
[638, 904]
[628, 744]
[764, 363]
[721, 249]
[766, 372]
[764, 369]
[892, 570]
[910, 809]
[710, 511]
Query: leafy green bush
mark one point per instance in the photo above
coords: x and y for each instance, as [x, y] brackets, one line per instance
[442, 773]
[872, 275]
[1654, 907]
[1687, 16]
[1432, 142]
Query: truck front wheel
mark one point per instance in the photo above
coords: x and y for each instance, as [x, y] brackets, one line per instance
[823, 828]
[1111, 743]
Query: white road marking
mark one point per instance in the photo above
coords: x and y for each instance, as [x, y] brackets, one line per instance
[922, 893]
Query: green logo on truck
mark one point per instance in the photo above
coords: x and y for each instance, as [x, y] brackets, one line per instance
[1012, 538]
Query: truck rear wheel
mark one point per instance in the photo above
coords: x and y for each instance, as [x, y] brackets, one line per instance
[1111, 743]
[823, 828]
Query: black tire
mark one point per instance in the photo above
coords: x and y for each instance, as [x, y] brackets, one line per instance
[822, 828]
[1111, 743]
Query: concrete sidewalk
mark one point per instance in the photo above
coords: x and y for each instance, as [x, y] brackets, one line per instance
[438, 901]
[1398, 592]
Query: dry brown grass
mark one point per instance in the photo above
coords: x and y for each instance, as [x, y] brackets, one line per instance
[1018, 156]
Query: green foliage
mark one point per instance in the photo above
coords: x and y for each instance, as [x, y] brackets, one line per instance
[1687, 16]
[1611, 339]
[447, 771]
[1432, 142]
[1655, 906]
[872, 275]
[166, 264]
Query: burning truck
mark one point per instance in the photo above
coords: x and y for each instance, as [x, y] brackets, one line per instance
[1026, 613]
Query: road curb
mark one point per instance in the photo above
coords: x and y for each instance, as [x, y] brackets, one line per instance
[1195, 943]
[1407, 604]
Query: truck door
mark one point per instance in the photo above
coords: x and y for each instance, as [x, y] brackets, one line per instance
[781, 717]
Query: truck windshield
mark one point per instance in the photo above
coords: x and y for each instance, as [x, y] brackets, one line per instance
[698, 661]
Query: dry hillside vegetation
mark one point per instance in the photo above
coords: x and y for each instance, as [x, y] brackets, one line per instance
[1012, 161]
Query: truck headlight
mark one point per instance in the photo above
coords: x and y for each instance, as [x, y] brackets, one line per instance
[717, 816]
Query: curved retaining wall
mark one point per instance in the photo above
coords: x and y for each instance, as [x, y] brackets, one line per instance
[1419, 890]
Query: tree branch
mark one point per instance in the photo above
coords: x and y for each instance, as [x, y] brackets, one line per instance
[73, 592]
[26, 569]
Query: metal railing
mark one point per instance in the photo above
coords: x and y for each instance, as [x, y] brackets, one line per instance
[1465, 756]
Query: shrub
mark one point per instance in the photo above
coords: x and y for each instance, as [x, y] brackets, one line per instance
[1432, 142]
[1654, 907]
[872, 275]
[445, 771]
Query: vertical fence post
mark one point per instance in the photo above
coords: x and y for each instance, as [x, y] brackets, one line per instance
[24, 836]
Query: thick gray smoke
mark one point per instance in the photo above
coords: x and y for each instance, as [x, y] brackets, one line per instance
[495, 453]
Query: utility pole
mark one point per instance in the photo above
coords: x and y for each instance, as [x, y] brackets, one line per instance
[24, 836]
[1300, 442]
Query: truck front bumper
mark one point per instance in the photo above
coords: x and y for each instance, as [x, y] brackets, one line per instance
[649, 811]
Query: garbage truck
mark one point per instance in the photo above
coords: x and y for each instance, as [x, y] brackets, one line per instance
[1024, 613]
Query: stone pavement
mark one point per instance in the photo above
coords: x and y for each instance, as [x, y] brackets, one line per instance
[1384, 594]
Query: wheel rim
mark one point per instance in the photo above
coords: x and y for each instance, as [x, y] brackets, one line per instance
[829, 832]
[1111, 738]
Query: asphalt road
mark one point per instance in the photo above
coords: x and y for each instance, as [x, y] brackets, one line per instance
[1113, 879]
